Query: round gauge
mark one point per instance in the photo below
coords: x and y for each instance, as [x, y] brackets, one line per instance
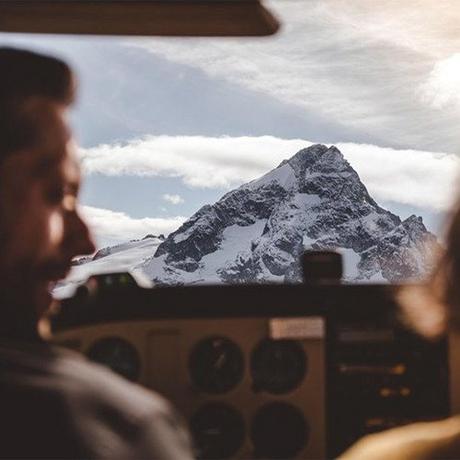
[216, 365]
[218, 430]
[117, 354]
[279, 431]
[278, 366]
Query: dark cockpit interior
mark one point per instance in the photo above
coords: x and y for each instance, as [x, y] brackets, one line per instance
[268, 184]
[266, 371]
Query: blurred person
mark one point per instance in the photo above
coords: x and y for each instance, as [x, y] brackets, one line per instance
[53, 403]
[433, 310]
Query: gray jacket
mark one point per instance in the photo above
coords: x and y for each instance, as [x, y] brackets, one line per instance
[55, 404]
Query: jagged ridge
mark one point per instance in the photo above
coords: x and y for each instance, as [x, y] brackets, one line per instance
[257, 232]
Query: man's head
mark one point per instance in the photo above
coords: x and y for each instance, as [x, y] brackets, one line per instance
[40, 229]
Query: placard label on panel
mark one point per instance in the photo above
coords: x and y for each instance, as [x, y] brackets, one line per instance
[311, 327]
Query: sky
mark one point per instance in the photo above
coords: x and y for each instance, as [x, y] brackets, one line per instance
[166, 125]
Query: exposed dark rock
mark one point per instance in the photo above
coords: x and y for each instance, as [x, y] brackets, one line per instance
[314, 200]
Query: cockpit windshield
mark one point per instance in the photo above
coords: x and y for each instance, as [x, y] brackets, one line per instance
[220, 160]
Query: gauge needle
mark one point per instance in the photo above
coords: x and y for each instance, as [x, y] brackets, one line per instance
[220, 361]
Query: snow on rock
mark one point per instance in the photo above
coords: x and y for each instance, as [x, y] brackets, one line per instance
[257, 232]
[315, 200]
[121, 258]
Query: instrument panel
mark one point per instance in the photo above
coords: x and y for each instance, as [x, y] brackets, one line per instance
[266, 371]
[244, 394]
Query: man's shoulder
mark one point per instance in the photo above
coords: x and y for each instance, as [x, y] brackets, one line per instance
[128, 410]
[69, 373]
[90, 380]
[109, 416]
[75, 379]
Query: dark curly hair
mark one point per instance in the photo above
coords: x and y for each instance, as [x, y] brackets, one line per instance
[25, 75]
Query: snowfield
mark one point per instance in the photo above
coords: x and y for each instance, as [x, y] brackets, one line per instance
[121, 258]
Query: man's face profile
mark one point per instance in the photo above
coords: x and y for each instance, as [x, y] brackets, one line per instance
[40, 228]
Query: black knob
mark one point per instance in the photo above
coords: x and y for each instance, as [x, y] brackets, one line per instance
[322, 267]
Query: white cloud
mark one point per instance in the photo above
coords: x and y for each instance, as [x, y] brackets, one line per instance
[443, 85]
[359, 64]
[422, 179]
[205, 162]
[173, 199]
[111, 226]
[418, 178]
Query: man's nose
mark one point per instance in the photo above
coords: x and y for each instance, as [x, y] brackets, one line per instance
[78, 240]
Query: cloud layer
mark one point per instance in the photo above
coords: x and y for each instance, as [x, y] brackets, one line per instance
[111, 226]
[365, 65]
[417, 178]
[205, 162]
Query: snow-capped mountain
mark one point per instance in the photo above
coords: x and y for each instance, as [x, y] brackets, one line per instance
[315, 200]
[119, 258]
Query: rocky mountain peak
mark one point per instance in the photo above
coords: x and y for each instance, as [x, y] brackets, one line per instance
[415, 222]
[414, 227]
[151, 236]
[258, 231]
[318, 158]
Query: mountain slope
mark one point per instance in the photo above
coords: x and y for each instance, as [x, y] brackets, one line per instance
[123, 257]
[315, 200]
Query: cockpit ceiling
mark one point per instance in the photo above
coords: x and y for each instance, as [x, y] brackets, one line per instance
[133, 17]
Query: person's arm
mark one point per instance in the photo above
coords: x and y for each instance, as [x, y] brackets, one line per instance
[419, 441]
[163, 436]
